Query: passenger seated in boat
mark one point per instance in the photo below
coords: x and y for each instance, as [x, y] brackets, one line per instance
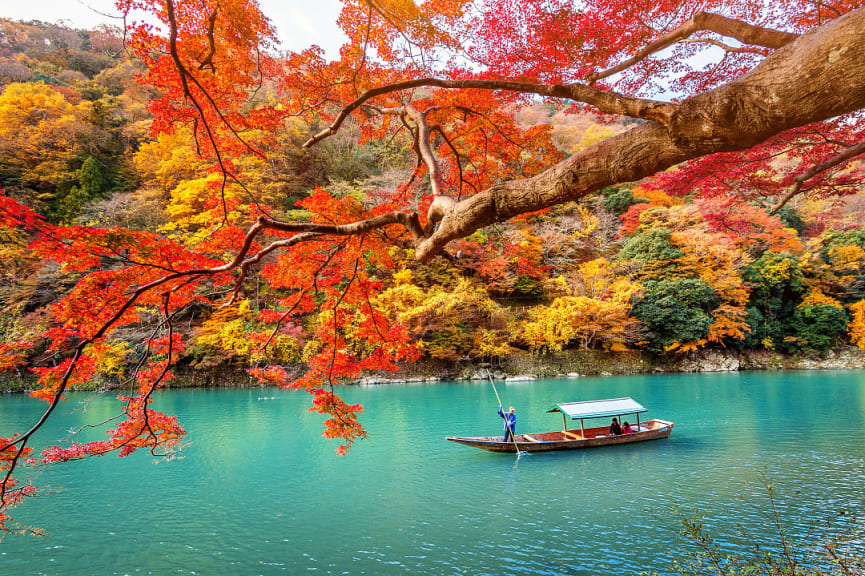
[615, 429]
[510, 423]
[626, 428]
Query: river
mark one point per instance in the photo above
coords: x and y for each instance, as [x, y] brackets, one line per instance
[258, 491]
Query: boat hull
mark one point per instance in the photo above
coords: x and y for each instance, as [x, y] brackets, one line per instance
[566, 440]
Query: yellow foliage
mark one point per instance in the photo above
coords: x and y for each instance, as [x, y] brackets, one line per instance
[168, 160]
[777, 272]
[490, 344]
[190, 219]
[589, 222]
[655, 217]
[310, 350]
[226, 329]
[559, 286]
[446, 315]
[404, 276]
[113, 358]
[41, 133]
[856, 327]
[586, 321]
[284, 350]
[814, 298]
[407, 302]
[597, 279]
[593, 135]
[847, 257]
[397, 301]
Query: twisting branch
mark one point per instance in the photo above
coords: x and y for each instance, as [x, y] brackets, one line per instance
[800, 180]
[457, 157]
[185, 76]
[207, 61]
[704, 21]
[365, 47]
[423, 137]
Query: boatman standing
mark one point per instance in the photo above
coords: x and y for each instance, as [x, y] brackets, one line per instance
[509, 423]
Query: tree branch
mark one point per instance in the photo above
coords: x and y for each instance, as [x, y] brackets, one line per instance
[741, 31]
[725, 47]
[604, 100]
[800, 180]
[207, 61]
[790, 88]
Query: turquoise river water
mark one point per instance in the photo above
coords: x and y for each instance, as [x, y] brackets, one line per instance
[258, 491]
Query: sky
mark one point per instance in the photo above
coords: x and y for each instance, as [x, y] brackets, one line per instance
[299, 23]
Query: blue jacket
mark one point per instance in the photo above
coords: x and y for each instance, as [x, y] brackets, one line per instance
[510, 420]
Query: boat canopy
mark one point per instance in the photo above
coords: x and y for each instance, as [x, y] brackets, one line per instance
[598, 408]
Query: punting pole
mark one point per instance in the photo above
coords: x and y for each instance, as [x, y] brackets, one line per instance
[513, 438]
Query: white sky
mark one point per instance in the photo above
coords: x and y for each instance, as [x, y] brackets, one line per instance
[299, 23]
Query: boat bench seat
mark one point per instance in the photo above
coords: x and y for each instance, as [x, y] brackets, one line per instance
[572, 435]
[530, 438]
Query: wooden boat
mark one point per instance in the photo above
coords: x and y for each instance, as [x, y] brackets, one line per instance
[582, 437]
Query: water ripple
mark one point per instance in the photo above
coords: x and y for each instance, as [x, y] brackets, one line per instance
[259, 492]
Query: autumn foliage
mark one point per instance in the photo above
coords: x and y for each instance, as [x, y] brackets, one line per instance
[206, 201]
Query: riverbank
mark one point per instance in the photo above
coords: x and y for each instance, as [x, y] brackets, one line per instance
[577, 363]
[525, 366]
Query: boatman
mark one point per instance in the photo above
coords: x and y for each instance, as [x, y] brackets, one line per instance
[509, 424]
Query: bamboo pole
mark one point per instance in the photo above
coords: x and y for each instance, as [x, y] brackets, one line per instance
[513, 436]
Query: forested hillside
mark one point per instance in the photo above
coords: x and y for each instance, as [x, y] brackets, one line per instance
[650, 265]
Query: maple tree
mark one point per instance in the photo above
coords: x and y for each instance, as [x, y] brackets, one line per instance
[780, 114]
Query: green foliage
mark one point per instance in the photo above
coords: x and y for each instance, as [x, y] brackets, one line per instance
[90, 178]
[792, 219]
[839, 238]
[91, 185]
[819, 325]
[777, 286]
[619, 200]
[677, 310]
[649, 246]
[528, 287]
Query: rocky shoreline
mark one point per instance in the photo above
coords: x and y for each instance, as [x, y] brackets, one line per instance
[573, 364]
[524, 366]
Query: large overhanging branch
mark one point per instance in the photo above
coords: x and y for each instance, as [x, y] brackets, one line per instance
[818, 76]
[700, 22]
[604, 100]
